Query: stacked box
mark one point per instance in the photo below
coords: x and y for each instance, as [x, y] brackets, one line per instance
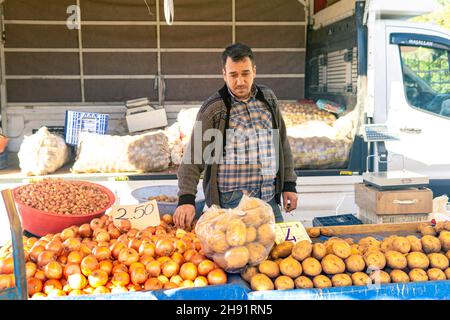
[77, 121]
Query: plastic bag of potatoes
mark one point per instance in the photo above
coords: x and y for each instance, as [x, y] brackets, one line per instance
[104, 153]
[235, 238]
[300, 112]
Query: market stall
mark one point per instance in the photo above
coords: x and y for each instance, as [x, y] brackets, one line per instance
[379, 261]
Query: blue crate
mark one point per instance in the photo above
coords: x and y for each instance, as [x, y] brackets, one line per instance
[3, 160]
[77, 122]
[339, 220]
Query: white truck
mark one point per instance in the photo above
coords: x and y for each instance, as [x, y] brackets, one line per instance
[362, 54]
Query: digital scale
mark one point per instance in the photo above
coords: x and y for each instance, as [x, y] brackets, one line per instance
[388, 180]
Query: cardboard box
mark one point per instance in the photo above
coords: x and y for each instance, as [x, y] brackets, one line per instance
[145, 118]
[77, 121]
[404, 201]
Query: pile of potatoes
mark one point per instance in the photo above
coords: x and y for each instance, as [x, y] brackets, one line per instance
[236, 238]
[342, 262]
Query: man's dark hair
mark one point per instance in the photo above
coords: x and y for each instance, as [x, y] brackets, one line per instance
[237, 52]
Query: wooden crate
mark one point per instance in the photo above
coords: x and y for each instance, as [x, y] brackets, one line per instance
[373, 229]
[405, 201]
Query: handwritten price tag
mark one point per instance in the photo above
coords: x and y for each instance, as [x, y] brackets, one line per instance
[290, 231]
[140, 216]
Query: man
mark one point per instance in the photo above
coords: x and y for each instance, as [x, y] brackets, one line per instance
[249, 129]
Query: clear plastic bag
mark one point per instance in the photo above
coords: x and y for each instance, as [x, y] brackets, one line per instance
[314, 145]
[235, 238]
[42, 153]
[147, 152]
[301, 112]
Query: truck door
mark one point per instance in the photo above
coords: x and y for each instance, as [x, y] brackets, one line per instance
[418, 98]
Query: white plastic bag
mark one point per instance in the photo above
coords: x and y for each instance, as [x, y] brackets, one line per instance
[147, 152]
[176, 146]
[186, 120]
[42, 153]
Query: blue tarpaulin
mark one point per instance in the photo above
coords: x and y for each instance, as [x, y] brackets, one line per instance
[430, 290]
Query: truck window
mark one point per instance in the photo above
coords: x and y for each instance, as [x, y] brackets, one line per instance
[426, 78]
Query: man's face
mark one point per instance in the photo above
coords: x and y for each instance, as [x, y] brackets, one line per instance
[238, 76]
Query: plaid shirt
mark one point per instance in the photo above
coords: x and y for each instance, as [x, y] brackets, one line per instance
[249, 157]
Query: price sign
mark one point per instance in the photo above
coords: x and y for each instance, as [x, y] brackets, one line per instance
[290, 231]
[140, 216]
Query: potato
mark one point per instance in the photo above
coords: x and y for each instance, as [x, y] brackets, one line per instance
[236, 257]
[318, 251]
[401, 244]
[417, 260]
[327, 232]
[418, 275]
[248, 273]
[302, 250]
[322, 281]
[361, 279]
[439, 226]
[252, 218]
[266, 234]
[269, 268]
[313, 232]
[380, 277]
[416, 244]
[428, 231]
[438, 260]
[311, 267]
[278, 261]
[448, 254]
[257, 253]
[330, 242]
[386, 245]
[290, 267]
[332, 264]
[282, 250]
[218, 242]
[250, 235]
[342, 249]
[222, 223]
[303, 282]
[350, 241]
[356, 249]
[341, 280]
[236, 233]
[447, 225]
[369, 241]
[284, 283]
[447, 273]
[375, 260]
[396, 260]
[444, 237]
[261, 282]
[399, 276]
[430, 244]
[355, 263]
[435, 274]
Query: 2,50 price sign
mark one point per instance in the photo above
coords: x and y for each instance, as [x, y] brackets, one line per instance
[140, 216]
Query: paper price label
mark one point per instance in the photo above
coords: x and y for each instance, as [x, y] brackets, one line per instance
[140, 216]
[290, 231]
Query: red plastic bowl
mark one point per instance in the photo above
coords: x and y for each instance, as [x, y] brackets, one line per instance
[40, 222]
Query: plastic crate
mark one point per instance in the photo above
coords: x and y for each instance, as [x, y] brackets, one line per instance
[338, 220]
[77, 122]
[3, 160]
[372, 218]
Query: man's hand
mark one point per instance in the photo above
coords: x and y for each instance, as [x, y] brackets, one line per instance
[289, 201]
[184, 215]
